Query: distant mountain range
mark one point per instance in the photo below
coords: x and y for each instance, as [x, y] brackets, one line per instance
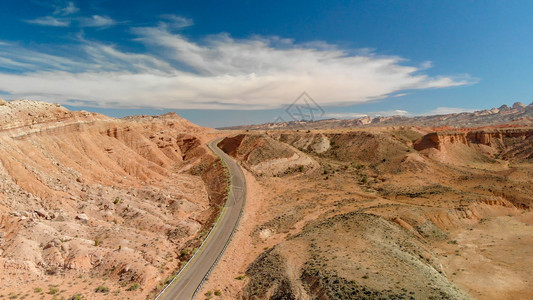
[518, 114]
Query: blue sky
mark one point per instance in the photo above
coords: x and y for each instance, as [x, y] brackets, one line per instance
[222, 63]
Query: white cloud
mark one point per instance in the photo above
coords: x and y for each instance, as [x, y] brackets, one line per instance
[66, 9]
[96, 21]
[214, 73]
[348, 115]
[426, 65]
[448, 110]
[50, 21]
[404, 113]
[399, 95]
[17, 58]
[62, 16]
[176, 22]
[355, 115]
[387, 113]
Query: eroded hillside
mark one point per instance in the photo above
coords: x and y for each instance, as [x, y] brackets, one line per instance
[88, 201]
[395, 213]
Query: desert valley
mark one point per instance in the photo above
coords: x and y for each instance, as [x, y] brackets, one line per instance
[93, 207]
[266, 150]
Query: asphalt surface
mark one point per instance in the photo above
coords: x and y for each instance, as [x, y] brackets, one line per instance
[198, 268]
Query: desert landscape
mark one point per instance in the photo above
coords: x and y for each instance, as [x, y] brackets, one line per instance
[387, 212]
[93, 207]
[266, 150]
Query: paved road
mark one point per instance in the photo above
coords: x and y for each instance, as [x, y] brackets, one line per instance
[199, 267]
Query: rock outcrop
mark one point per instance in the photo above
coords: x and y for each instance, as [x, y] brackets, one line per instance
[266, 156]
[82, 194]
[501, 140]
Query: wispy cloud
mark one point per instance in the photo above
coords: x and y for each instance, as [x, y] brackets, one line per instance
[65, 9]
[64, 16]
[348, 115]
[22, 60]
[398, 112]
[215, 73]
[59, 17]
[96, 21]
[92, 21]
[50, 21]
[448, 110]
[176, 22]
[355, 115]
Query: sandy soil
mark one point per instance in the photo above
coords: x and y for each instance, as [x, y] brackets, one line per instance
[492, 260]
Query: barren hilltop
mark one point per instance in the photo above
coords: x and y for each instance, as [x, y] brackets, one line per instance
[103, 208]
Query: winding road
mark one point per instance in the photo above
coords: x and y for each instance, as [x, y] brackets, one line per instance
[186, 284]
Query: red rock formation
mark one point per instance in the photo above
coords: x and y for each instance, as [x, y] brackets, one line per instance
[499, 138]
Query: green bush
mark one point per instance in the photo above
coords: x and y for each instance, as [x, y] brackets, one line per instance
[102, 289]
[169, 278]
[184, 252]
[133, 287]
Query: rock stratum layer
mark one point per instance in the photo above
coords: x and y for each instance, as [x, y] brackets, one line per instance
[88, 201]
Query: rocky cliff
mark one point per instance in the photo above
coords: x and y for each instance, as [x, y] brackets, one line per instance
[503, 142]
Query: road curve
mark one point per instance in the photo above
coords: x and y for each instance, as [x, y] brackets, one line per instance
[190, 278]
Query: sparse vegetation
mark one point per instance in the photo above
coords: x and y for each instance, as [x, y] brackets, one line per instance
[102, 289]
[184, 252]
[53, 290]
[133, 287]
[169, 279]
